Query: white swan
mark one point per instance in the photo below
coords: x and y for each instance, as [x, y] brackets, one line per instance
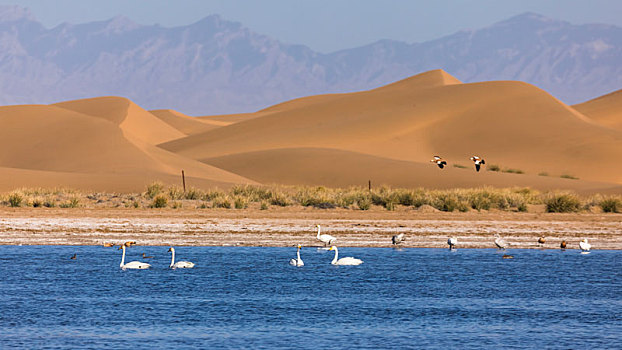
[585, 247]
[452, 241]
[397, 239]
[179, 264]
[500, 242]
[298, 261]
[344, 261]
[326, 239]
[132, 265]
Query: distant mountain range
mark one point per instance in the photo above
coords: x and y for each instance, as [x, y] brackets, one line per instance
[216, 66]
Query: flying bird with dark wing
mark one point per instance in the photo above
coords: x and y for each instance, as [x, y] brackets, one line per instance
[478, 162]
[439, 161]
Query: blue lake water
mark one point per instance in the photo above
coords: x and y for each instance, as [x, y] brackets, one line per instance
[245, 297]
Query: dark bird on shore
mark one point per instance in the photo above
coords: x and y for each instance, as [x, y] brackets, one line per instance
[397, 239]
[74, 257]
[439, 161]
[541, 241]
[147, 257]
[478, 162]
[563, 245]
[108, 245]
[129, 243]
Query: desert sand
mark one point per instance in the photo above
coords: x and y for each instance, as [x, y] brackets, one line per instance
[287, 227]
[386, 135]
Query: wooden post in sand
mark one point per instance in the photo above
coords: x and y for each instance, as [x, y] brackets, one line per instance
[183, 180]
[369, 183]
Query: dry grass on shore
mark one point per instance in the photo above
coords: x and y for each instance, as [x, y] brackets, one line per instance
[158, 195]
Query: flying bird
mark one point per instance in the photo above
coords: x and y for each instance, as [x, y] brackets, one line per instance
[397, 239]
[478, 162]
[439, 161]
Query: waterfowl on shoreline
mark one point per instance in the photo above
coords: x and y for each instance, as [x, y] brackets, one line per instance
[541, 241]
[439, 161]
[478, 162]
[397, 239]
[344, 261]
[326, 239]
[563, 245]
[138, 265]
[129, 243]
[585, 246]
[500, 242]
[452, 241]
[179, 264]
[108, 245]
[298, 261]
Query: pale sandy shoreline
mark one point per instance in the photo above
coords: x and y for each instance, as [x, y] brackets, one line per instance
[289, 226]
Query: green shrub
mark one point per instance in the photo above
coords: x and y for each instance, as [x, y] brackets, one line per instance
[240, 203]
[177, 205]
[280, 199]
[611, 205]
[364, 203]
[154, 189]
[544, 173]
[193, 194]
[513, 171]
[37, 202]
[71, 203]
[176, 192]
[562, 203]
[264, 205]
[460, 166]
[160, 201]
[15, 199]
[566, 176]
[221, 202]
[493, 167]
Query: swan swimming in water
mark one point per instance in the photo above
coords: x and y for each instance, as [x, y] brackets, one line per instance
[298, 261]
[179, 264]
[585, 247]
[344, 261]
[326, 239]
[132, 265]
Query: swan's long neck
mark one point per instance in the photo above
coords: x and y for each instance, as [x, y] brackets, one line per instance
[298, 255]
[318, 231]
[123, 258]
[173, 257]
[336, 256]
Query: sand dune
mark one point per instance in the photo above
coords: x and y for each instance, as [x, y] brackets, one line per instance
[72, 149]
[386, 135]
[605, 110]
[512, 124]
[183, 123]
[337, 168]
[132, 119]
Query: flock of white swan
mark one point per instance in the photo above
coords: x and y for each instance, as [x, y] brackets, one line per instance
[327, 240]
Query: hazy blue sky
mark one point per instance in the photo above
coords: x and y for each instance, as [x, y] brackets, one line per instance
[329, 25]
